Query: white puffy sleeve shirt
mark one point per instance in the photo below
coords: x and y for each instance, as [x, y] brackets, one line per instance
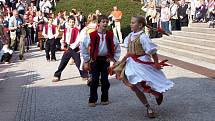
[147, 45]
[102, 48]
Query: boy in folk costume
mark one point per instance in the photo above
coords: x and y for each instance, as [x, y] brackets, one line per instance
[70, 37]
[98, 49]
[50, 33]
[142, 69]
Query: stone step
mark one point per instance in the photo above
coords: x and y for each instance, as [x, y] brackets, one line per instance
[185, 46]
[197, 35]
[201, 25]
[191, 40]
[187, 59]
[198, 29]
[189, 54]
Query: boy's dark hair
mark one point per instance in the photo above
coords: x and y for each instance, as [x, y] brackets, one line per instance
[71, 18]
[73, 11]
[62, 18]
[101, 17]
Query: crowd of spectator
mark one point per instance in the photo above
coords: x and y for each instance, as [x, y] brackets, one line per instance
[22, 23]
[171, 15]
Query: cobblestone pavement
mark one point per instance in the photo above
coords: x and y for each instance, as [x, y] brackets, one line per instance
[27, 94]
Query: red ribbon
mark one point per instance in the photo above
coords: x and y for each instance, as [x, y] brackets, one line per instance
[162, 63]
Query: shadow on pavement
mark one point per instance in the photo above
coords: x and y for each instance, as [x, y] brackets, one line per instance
[188, 100]
[191, 99]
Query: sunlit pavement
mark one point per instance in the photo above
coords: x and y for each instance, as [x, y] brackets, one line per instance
[27, 94]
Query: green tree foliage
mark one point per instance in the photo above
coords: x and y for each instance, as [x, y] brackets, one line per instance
[127, 7]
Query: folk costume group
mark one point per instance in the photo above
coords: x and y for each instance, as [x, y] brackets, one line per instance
[94, 52]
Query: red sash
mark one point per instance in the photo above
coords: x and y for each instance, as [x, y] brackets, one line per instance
[162, 63]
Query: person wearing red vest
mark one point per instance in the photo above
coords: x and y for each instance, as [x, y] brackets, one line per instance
[50, 33]
[70, 37]
[98, 49]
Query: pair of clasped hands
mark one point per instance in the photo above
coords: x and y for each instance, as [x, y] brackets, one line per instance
[86, 65]
[157, 65]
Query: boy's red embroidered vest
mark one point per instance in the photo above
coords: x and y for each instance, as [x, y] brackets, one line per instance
[74, 35]
[94, 44]
[53, 29]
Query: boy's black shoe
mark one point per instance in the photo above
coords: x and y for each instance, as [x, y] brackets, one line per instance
[21, 57]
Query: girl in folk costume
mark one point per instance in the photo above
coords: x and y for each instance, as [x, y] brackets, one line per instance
[141, 73]
[50, 33]
[90, 27]
[98, 49]
[70, 37]
[91, 23]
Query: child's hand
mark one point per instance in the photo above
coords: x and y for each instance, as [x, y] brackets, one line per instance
[86, 66]
[46, 36]
[157, 66]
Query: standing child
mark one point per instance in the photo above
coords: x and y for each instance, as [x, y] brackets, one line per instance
[142, 74]
[98, 49]
[50, 33]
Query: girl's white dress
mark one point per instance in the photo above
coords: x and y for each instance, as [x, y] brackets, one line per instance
[137, 72]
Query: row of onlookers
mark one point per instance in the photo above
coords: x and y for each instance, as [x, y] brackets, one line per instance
[20, 30]
[171, 15]
[18, 25]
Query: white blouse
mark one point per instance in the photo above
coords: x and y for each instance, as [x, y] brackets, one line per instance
[147, 45]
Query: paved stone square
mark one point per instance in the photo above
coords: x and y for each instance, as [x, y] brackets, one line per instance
[27, 94]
